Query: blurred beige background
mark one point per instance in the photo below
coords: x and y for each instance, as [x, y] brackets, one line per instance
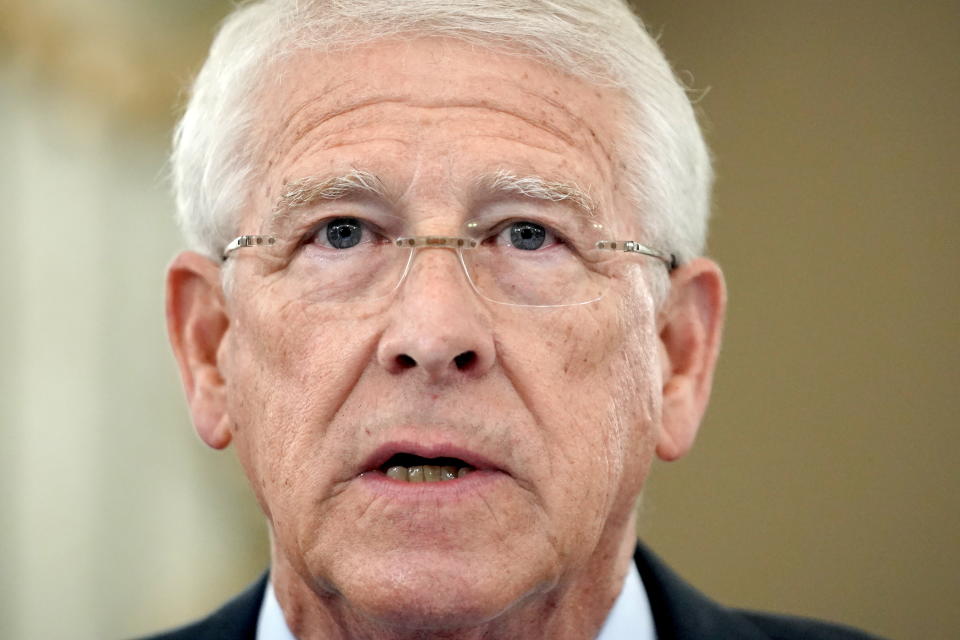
[825, 481]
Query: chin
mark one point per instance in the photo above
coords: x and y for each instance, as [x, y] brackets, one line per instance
[432, 590]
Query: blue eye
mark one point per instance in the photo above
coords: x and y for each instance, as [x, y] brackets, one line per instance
[343, 233]
[527, 236]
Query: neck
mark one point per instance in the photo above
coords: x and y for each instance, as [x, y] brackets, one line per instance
[575, 607]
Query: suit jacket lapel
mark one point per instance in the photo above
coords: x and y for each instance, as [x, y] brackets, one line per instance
[680, 611]
[236, 620]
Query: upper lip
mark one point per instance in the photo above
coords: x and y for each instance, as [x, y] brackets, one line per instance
[427, 450]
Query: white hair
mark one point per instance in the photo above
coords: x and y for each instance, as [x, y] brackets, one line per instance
[215, 150]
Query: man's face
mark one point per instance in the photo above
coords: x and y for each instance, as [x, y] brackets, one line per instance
[555, 408]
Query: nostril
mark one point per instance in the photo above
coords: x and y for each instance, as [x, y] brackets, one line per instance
[465, 359]
[406, 362]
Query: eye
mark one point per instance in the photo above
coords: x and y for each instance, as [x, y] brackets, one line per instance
[342, 233]
[527, 236]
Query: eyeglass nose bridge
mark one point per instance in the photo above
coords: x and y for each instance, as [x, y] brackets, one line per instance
[456, 243]
[451, 242]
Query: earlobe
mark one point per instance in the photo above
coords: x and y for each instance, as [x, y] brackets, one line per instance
[690, 332]
[197, 324]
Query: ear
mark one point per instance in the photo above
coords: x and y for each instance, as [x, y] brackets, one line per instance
[197, 323]
[691, 323]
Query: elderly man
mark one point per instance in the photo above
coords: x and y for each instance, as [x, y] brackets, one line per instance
[445, 298]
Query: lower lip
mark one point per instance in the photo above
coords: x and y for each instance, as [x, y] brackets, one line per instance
[445, 490]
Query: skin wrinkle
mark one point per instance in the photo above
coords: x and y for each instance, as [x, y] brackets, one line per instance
[515, 377]
[366, 509]
[320, 380]
[290, 444]
[481, 105]
[308, 191]
[320, 121]
[326, 90]
[493, 514]
[280, 134]
[573, 459]
[639, 329]
[613, 415]
[519, 139]
[298, 156]
[611, 159]
[350, 142]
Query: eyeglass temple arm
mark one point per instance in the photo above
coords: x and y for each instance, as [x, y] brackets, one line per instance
[629, 246]
[247, 241]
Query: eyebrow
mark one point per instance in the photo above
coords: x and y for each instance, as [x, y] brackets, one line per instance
[310, 190]
[536, 188]
[359, 183]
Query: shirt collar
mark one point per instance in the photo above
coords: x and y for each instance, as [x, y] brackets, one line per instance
[630, 618]
[271, 625]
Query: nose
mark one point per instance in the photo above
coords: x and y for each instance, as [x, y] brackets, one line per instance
[438, 326]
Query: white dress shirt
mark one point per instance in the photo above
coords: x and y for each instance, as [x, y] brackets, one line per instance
[629, 619]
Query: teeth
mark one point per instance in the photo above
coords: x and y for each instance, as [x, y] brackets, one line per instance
[397, 473]
[427, 473]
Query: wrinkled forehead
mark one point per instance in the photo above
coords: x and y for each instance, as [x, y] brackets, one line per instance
[307, 85]
[319, 109]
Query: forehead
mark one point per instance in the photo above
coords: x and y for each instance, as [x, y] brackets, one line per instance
[430, 113]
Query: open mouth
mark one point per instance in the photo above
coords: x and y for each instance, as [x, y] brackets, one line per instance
[407, 467]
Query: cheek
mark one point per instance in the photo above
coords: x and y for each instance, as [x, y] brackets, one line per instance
[286, 381]
[300, 356]
[636, 401]
[581, 373]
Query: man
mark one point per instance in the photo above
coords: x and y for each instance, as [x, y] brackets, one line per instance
[446, 300]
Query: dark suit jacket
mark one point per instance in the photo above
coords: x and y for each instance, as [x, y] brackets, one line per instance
[679, 612]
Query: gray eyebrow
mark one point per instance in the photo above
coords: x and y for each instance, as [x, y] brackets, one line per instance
[537, 188]
[310, 190]
[356, 182]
